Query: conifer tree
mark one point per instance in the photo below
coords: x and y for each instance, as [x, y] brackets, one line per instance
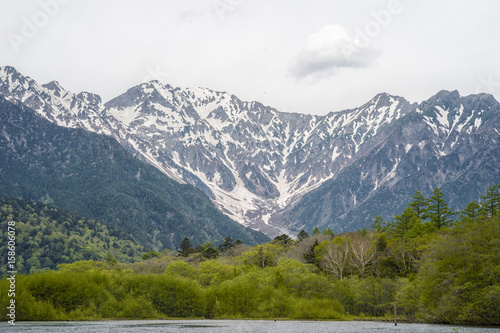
[378, 223]
[491, 201]
[472, 212]
[419, 205]
[226, 245]
[302, 234]
[185, 247]
[404, 222]
[310, 255]
[438, 211]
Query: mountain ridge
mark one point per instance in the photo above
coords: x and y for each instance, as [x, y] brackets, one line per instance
[94, 176]
[253, 161]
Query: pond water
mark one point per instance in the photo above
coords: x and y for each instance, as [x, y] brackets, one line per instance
[232, 326]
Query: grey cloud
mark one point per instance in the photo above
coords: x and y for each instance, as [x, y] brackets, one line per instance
[330, 49]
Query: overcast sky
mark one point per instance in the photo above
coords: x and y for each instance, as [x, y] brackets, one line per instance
[297, 56]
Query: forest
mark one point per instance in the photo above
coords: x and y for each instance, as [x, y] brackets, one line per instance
[435, 264]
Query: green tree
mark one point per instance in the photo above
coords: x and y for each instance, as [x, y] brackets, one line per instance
[378, 223]
[209, 251]
[316, 231]
[302, 234]
[226, 244]
[491, 201]
[328, 232]
[472, 212]
[404, 223]
[185, 247]
[310, 255]
[110, 259]
[381, 244]
[181, 268]
[284, 240]
[438, 210]
[262, 255]
[460, 277]
[149, 255]
[419, 205]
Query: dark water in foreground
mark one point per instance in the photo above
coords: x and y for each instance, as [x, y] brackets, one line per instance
[231, 326]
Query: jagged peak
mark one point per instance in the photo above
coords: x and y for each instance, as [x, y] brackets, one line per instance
[378, 102]
[9, 71]
[484, 97]
[140, 93]
[385, 99]
[90, 98]
[444, 97]
[53, 85]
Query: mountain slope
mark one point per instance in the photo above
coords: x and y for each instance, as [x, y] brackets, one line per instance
[94, 176]
[448, 141]
[47, 236]
[260, 166]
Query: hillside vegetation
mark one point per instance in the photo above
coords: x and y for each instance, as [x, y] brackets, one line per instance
[47, 236]
[93, 176]
[436, 265]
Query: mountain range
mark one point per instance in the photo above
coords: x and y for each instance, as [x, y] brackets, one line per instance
[93, 176]
[281, 172]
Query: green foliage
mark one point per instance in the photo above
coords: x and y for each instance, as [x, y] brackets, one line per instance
[185, 247]
[302, 234]
[170, 295]
[94, 176]
[209, 251]
[472, 212]
[181, 268]
[446, 275]
[419, 205]
[381, 244]
[47, 236]
[378, 223]
[461, 274]
[438, 211]
[283, 240]
[405, 225]
[149, 255]
[262, 255]
[491, 201]
[226, 244]
[310, 256]
[318, 309]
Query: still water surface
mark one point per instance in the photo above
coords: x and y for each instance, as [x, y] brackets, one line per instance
[232, 326]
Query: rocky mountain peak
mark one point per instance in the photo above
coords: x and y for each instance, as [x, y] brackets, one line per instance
[55, 87]
[91, 99]
[257, 163]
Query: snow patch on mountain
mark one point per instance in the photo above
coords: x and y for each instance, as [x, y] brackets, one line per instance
[251, 159]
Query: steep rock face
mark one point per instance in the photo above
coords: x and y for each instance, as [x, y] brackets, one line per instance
[275, 171]
[448, 141]
[53, 102]
[253, 160]
[96, 177]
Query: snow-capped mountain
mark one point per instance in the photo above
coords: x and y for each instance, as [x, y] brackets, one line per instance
[251, 159]
[448, 141]
[53, 102]
[260, 165]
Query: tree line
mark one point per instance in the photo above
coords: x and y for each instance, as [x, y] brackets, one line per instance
[436, 264]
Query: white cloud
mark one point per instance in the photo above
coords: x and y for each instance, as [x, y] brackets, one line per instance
[329, 49]
[263, 50]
